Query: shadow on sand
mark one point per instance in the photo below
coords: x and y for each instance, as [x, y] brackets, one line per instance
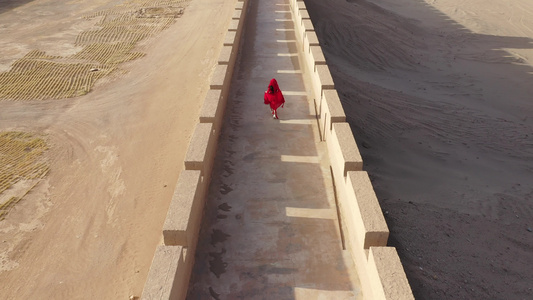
[7, 5]
[442, 117]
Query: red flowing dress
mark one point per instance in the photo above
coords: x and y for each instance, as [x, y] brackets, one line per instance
[275, 97]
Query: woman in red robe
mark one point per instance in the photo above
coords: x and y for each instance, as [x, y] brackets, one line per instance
[274, 97]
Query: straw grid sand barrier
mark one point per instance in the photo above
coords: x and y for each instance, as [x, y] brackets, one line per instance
[22, 165]
[38, 76]
[102, 187]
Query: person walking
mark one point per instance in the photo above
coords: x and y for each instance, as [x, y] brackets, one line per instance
[274, 97]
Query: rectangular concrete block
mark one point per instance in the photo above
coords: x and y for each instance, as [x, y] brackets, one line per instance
[343, 151]
[309, 40]
[167, 278]
[225, 55]
[334, 106]
[237, 13]
[218, 78]
[324, 76]
[318, 56]
[312, 38]
[308, 25]
[387, 276]
[212, 108]
[201, 149]
[367, 218]
[322, 80]
[304, 14]
[239, 5]
[184, 214]
[233, 25]
[230, 38]
[330, 111]
[300, 5]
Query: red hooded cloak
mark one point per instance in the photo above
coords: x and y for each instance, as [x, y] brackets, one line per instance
[275, 97]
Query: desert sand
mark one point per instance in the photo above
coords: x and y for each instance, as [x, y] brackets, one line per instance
[439, 95]
[89, 227]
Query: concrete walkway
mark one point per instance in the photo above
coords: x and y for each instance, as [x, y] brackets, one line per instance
[271, 230]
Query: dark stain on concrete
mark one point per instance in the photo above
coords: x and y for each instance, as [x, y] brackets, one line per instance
[218, 237]
[216, 265]
[224, 207]
[268, 269]
[250, 157]
[228, 170]
[222, 216]
[230, 153]
[214, 294]
[225, 189]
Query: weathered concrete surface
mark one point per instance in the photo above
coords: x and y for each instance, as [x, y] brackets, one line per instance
[387, 275]
[168, 274]
[199, 152]
[270, 230]
[181, 229]
[365, 212]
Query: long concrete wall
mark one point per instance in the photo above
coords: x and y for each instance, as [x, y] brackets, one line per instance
[366, 232]
[382, 275]
[172, 264]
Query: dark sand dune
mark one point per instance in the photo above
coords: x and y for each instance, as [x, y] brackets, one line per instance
[440, 100]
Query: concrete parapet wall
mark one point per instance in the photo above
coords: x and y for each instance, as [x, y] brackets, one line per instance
[213, 109]
[366, 232]
[214, 105]
[343, 152]
[184, 215]
[322, 80]
[370, 227]
[317, 56]
[225, 55]
[386, 273]
[171, 267]
[379, 268]
[237, 14]
[169, 274]
[312, 53]
[329, 111]
[201, 149]
[220, 78]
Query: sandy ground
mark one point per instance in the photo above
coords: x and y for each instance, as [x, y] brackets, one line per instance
[439, 95]
[90, 228]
